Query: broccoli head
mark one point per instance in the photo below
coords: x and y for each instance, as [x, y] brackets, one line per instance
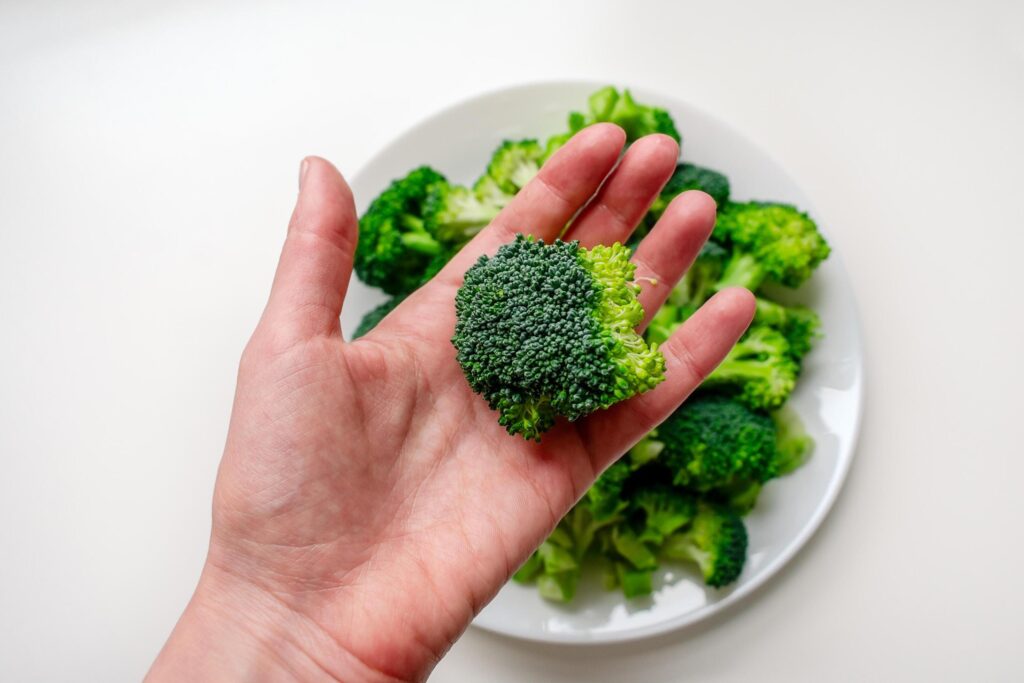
[759, 370]
[798, 324]
[395, 242]
[514, 164]
[713, 441]
[605, 496]
[377, 314]
[769, 242]
[716, 540]
[549, 329]
[693, 289]
[454, 214]
[665, 510]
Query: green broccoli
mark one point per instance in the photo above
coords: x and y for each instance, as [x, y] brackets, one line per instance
[716, 541]
[605, 496]
[798, 324]
[793, 443]
[693, 289]
[514, 164]
[455, 214]
[689, 177]
[768, 242]
[664, 509]
[759, 370]
[371, 319]
[714, 441]
[395, 243]
[546, 330]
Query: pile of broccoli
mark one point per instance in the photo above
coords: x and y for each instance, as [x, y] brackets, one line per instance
[549, 330]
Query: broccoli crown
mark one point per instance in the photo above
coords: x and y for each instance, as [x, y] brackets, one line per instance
[395, 243]
[605, 496]
[545, 330]
[689, 177]
[371, 319]
[454, 214]
[759, 370]
[638, 120]
[692, 290]
[664, 510]
[712, 441]
[514, 164]
[774, 241]
[716, 541]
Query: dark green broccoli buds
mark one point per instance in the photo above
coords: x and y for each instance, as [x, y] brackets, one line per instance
[549, 329]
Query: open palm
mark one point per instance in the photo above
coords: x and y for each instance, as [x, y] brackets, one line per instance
[368, 503]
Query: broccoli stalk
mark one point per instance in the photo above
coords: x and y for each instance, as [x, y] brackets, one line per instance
[547, 330]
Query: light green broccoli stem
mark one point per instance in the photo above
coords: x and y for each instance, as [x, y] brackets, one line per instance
[743, 270]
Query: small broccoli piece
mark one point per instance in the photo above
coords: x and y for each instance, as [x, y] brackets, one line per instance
[546, 330]
[395, 242]
[793, 443]
[371, 319]
[605, 495]
[514, 164]
[689, 177]
[635, 583]
[454, 214]
[665, 510]
[632, 548]
[759, 370]
[716, 541]
[768, 241]
[800, 325]
[693, 289]
[714, 441]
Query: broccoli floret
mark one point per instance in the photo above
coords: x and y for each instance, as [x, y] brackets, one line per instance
[793, 443]
[371, 319]
[713, 441]
[665, 510]
[514, 164]
[689, 177]
[759, 370]
[454, 214]
[546, 330]
[716, 541]
[693, 289]
[800, 325]
[605, 496]
[395, 242]
[768, 241]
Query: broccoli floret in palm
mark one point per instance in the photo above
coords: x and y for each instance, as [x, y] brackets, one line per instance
[714, 441]
[768, 242]
[689, 177]
[716, 541]
[544, 330]
[798, 324]
[665, 510]
[759, 370]
[371, 319]
[396, 243]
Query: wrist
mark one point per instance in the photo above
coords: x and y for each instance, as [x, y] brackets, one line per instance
[235, 630]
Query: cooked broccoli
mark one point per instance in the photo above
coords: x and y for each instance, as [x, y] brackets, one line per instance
[665, 510]
[793, 443]
[455, 214]
[716, 541]
[759, 370]
[714, 441]
[605, 495]
[377, 314]
[693, 289]
[798, 324]
[768, 242]
[689, 177]
[546, 330]
[395, 242]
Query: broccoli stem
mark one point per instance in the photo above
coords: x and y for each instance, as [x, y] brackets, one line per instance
[421, 242]
[743, 270]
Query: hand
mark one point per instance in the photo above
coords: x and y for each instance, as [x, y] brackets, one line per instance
[368, 503]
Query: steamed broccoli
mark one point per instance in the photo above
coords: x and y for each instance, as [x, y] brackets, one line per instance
[798, 324]
[715, 441]
[605, 497]
[759, 370]
[665, 510]
[716, 541]
[371, 319]
[546, 330]
[395, 242]
[690, 293]
[793, 443]
[768, 242]
[455, 214]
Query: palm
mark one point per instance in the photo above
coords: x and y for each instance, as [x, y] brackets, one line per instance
[365, 485]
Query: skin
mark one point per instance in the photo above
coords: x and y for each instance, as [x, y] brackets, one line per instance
[368, 504]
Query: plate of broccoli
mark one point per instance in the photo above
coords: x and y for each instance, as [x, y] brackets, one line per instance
[721, 495]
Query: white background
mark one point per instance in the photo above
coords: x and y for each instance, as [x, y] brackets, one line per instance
[148, 162]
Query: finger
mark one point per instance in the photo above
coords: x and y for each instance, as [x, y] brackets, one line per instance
[316, 261]
[549, 201]
[691, 354]
[627, 194]
[665, 254]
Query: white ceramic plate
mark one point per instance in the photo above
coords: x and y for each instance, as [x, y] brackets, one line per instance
[458, 142]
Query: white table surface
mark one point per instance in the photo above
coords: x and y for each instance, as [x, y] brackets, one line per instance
[148, 161]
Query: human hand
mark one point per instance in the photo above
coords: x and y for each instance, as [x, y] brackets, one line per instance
[368, 504]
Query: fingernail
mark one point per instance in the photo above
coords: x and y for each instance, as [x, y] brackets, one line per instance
[303, 168]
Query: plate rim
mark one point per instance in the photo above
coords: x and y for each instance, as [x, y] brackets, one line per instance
[845, 455]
